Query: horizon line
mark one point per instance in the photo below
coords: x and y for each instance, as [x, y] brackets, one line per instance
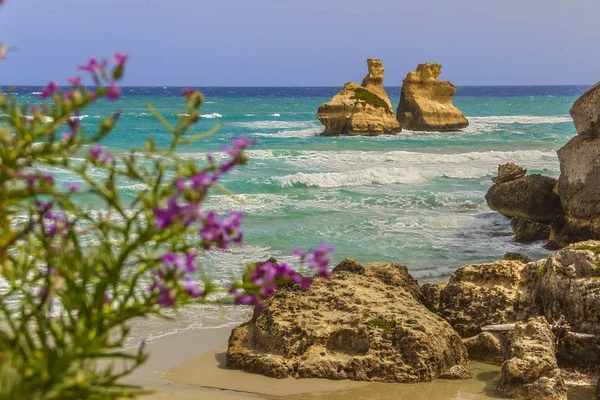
[297, 86]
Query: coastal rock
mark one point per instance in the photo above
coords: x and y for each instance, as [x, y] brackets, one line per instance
[570, 287]
[485, 347]
[486, 294]
[577, 351]
[586, 113]
[431, 295]
[598, 390]
[527, 231]
[367, 326]
[508, 172]
[517, 257]
[426, 102]
[360, 110]
[579, 190]
[457, 372]
[531, 371]
[531, 197]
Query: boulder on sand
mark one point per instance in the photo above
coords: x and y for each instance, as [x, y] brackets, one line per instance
[426, 102]
[363, 324]
[360, 110]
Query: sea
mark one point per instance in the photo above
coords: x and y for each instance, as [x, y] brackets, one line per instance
[416, 198]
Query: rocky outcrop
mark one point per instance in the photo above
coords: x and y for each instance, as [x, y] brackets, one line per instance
[598, 390]
[530, 197]
[486, 294]
[527, 231]
[457, 372]
[531, 371]
[508, 172]
[570, 287]
[485, 347]
[363, 324]
[426, 102]
[360, 110]
[586, 113]
[432, 293]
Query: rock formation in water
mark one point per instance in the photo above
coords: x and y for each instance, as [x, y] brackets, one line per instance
[530, 371]
[426, 102]
[579, 181]
[360, 110]
[365, 323]
[527, 230]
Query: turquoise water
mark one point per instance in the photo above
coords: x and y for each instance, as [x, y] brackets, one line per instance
[414, 198]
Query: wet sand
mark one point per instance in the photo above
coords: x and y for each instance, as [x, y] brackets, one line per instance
[190, 365]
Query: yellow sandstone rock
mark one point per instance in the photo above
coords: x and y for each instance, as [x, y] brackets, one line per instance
[360, 110]
[426, 102]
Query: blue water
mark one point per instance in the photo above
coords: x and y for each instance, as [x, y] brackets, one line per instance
[414, 198]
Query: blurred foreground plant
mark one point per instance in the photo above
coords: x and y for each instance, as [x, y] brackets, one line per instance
[70, 280]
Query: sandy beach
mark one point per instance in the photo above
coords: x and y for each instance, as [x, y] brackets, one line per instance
[191, 365]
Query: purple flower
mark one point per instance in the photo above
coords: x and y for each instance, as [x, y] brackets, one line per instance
[318, 259]
[166, 296]
[72, 187]
[107, 298]
[120, 59]
[186, 214]
[183, 264]
[113, 92]
[187, 93]
[192, 289]
[221, 231]
[74, 81]
[93, 66]
[235, 151]
[49, 90]
[98, 155]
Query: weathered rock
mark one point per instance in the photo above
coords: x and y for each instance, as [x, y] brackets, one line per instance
[527, 231]
[586, 113]
[350, 265]
[431, 295]
[485, 347]
[487, 294]
[579, 190]
[576, 351]
[598, 390]
[531, 371]
[508, 172]
[360, 110]
[570, 287]
[457, 372]
[354, 326]
[531, 197]
[517, 257]
[426, 102]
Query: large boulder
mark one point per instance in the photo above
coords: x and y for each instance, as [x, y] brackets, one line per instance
[530, 197]
[579, 181]
[426, 102]
[527, 230]
[363, 324]
[570, 287]
[531, 371]
[360, 110]
[485, 347]
[486, 294]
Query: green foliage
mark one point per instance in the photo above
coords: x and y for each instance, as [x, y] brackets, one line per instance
[371, 98]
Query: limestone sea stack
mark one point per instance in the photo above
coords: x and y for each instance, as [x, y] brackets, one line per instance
[360, 109]
[426, 102]
[579, 181]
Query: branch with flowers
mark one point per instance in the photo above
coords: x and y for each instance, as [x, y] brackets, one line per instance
[72, 280]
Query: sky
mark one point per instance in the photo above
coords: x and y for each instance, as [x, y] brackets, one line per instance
[304, 42]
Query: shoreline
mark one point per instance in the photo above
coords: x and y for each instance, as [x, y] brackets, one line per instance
[191, 365]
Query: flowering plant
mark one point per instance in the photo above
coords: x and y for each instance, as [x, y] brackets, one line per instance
[70, 280]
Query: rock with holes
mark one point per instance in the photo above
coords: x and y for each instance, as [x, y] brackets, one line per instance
[527, 231]
[530, 371]
[485, 347]
[426, 102]
[457, 372]
[363, 324]
[432, 293]
[360, 109]
[486, 294]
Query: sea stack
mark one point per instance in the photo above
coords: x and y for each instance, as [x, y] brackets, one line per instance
[579, 181]
[426, 102]
[360, 109]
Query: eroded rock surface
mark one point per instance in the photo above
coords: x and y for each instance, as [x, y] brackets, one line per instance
[530, 197]
[485, 347]
[362, 324]
[426, 102]
[586, 113]
[531, 371]
[527, 231]
[508, 172]
[360, 110]
[457, 372]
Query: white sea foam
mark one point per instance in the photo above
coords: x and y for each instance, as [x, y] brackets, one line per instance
[249, 115]
[522, 119]
[304, 133]
[36, 92]
[257, 125]
[212, 115]
[275, 115]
